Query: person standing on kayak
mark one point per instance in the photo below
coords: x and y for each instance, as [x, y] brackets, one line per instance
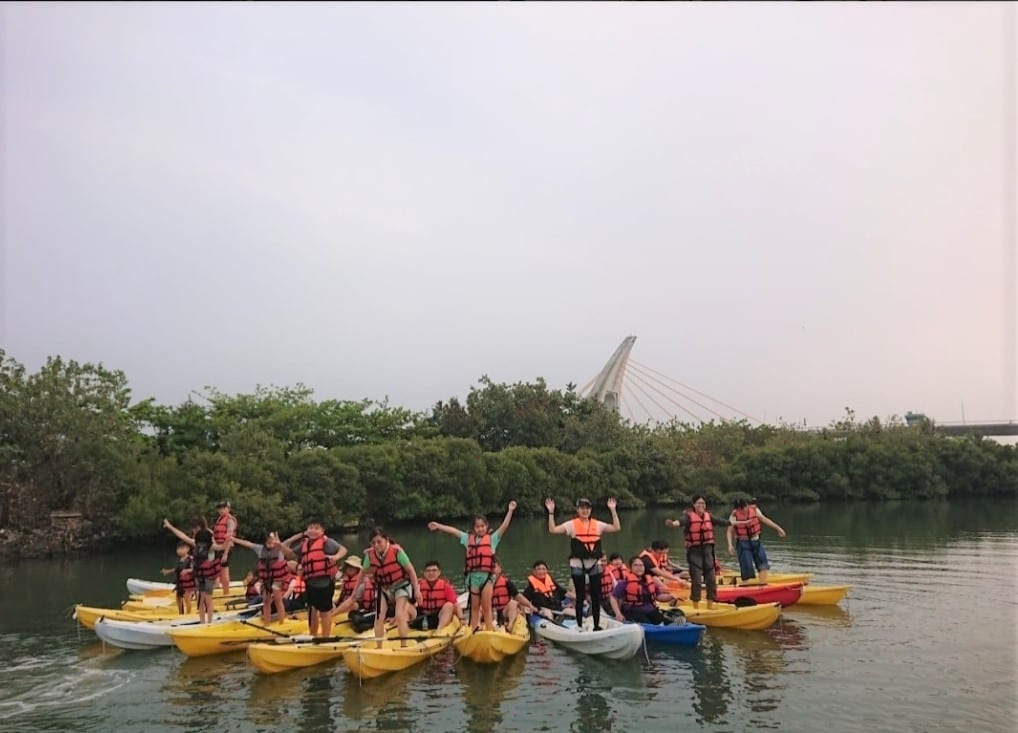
[206, 568]
[746, 519]
[272, 572]
[585, 551]
[396, 583]
[479, 566]
[317, 560]
[225, 528]
[698, 526]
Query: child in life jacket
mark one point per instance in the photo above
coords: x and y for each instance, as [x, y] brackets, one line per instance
[183, 577]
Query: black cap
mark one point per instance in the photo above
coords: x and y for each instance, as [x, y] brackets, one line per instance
[583, 502]
[224, 502]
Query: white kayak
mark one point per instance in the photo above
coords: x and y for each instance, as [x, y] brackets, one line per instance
[137, 586]
[152, 634]
[613, 641]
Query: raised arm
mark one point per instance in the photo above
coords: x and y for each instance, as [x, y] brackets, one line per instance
[508, 518]
[769, 523]
[180, 535]
[340, 554]
[436, 527]
[549, 506]
[244, 543]
[616, 525]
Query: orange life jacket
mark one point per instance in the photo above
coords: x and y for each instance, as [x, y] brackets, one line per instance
[586, 542]
[546, 587]
[386, 568]
[480, 554]
[746, 531]
[314, 563]
[638, 591]
[433, 596]
[699, 530]
[499, 594]
[609, 578]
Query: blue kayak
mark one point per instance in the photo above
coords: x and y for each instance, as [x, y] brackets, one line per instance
[685, 635]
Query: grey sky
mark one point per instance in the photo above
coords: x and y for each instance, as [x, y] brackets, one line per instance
[796, 208]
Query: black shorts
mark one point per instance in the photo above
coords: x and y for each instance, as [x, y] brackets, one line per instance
[431, 618]
[320, 598]
[224, 562]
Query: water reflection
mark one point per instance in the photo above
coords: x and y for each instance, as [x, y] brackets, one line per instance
[712, 690]
[832, 617]
[485, 687]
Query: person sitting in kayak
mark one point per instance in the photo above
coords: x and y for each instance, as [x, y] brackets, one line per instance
[584, 534]
[295, 596]
[656, 563]
[481, 544]
[613, 569]
[507, 600]
[745, 520]
[272, 572]
[183, 577]
[634, 597]
[545, 594]
[438, 603]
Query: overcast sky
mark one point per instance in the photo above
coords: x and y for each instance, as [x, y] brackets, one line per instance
[795, 208]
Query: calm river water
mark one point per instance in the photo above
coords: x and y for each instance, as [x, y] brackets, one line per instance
[926, 641]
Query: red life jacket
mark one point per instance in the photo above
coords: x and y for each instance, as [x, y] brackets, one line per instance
[433, 596]
[273, 570]
[638, 591]
[746, 531]
[499, 594]
[184, 581]
[206, 569]
[587, 540]
[300, 586]
[699, 530]
[219, 531]
[314, 563]
[251, 591]
[480, 554]
[348, 586]
[367, 595]
[386, 569]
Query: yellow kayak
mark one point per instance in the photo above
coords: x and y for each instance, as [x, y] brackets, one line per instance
[823, 595]
[168, 604]
[303, 651]
[236, 635]
[489, 647]
[88, 615]
[366, 660]
[727, 616]
[732, 577]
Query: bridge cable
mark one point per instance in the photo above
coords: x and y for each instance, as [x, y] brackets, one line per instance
[664, 409]
[712, 399]
[659, 383]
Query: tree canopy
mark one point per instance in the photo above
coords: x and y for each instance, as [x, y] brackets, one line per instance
[71, 438]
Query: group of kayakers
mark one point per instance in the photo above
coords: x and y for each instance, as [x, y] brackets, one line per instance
[309, 567]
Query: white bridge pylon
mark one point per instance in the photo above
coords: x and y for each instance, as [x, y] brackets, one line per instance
[606, 387]
[671, 399]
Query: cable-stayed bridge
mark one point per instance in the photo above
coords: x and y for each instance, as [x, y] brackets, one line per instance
[645, 395]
